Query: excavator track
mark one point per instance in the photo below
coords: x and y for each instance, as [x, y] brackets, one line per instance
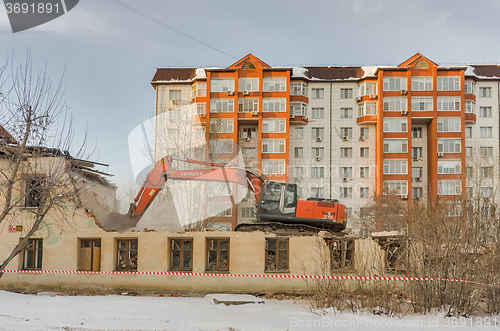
[282, 229]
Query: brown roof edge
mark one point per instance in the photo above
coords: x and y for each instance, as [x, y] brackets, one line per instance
[174, 74]
[6, 137]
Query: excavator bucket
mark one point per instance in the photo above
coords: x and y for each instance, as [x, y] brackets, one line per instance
[119, 222]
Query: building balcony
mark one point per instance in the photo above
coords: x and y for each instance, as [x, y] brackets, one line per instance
[470, 118]
[298, 119]
[367, 119]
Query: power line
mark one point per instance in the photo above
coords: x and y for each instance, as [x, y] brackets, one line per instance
[168, 27]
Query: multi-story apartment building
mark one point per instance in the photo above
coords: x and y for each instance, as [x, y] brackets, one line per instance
[348, 133]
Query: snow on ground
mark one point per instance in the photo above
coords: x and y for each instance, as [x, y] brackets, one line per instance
[45, 312]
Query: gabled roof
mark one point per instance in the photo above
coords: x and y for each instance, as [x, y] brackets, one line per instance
[414, 59]
[6, 137]
[249, 58]
[174, 74]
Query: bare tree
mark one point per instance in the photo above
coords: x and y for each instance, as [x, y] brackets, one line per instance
[38, 183]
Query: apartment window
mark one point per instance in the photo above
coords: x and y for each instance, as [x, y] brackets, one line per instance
[468, 132]
[416, 132]
[217, 254]
[317, 133]
[395, 167]
[421, 104]
[345, 112]
[364, 172]
[174, 114]
[367, 88]
[346, 192]
[248, 105]
[346, 172]
[416, 172]
[449, 166]
[367, 108]
[32, 254]
[274, 85]
[448, 103]
[247, 212]
[89, 255]
[395, 124]
[221, 126]
[34, 192]
[270, 105]
[273, 146]
[416, 151]
[468, 151]
[317, 172]
[364, 152]
[468, 172]
[448, 145]
[468, 192]
[484, 151]
[221, 105]
[273, 167]
[298, 172]
[396, 187]
[448, 124]
[487, 172]
[248, 133]
[346, 132]
[299, 133]
[394, 104]
[276, 255]
[317, 152]
[416, 192]
[248, 84]
[485, 131]
[364, 192]
[485, 111]
[365, 132]
[175, 95]
[486, 192]
[298, 89]
[217, 190]
[346, 93]
[317, 93]
[470, 107]
[221, 85]
[298, 109]
[394, 84]
[349, 211]
[485, 92]
[221, 208]
[449, 187]
[249, 153]
[181, 257]
[222, 146]
[395, 145]
[342, 254]
[127, 254]
[299, 152]
[318, 113]
[273, 126]
[448, 83]
[201, 108]
[421, 83]
[346, 152]
[317, 192]
[470, 87]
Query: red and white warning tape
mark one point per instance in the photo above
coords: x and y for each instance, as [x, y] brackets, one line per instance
[173, 273]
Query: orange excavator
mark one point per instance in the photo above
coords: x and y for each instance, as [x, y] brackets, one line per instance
[276, 202]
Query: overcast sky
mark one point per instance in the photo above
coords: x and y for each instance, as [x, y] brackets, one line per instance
[111, 53]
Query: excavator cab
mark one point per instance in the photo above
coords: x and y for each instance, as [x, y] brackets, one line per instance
[278, 199]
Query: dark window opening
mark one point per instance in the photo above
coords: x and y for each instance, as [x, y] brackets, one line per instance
[33, 252]
[248, 66]
[181, 254]
[218, 255]
[34, 192]
[127, 254]
[342, 254]
[277, 255]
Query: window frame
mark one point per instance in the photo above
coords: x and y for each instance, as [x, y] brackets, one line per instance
[218, 268]
[181, 254]
[37, 254]
[127, 249]
[277, 254]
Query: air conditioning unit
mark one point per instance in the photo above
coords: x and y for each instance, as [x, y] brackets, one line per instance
[297, 178]
[246, 92]
[255, 113]
[247, 138]
[318, 139]
[344, 179]
[418, 179]
[404, 112]
[175, 102]
[230, 93]
[191, 99]
[345, 138]
[318, 158]
[404, 196]
[415, 158]
[373, 96]
[361, 138]
[292, 115]
[404, 92]
[358, 99]
[440, 154]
